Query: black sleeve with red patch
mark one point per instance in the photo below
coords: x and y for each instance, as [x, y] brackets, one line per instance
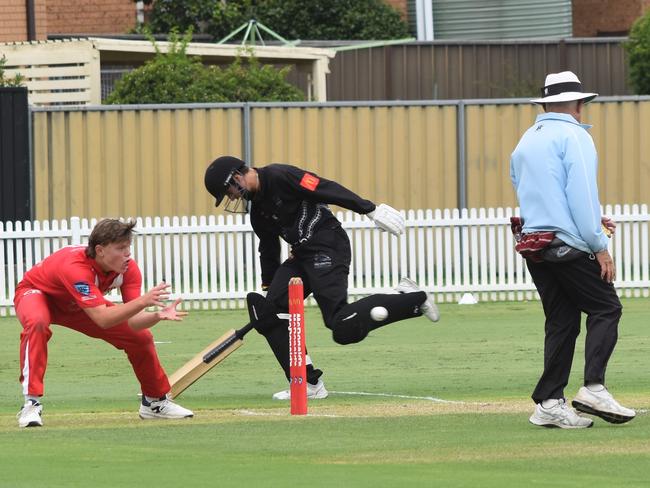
[317, 189]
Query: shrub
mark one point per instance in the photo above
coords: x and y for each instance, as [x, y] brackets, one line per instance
[292, 19]
[5, 80]
[175, 77]
[638, 50]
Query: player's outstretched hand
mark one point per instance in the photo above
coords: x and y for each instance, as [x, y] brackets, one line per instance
[388, 219]
[157, 296]
[170, 312]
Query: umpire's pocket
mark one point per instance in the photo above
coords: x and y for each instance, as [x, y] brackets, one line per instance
[562, 253]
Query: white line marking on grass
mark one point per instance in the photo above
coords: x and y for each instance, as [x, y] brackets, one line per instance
[162, 342]
[253, 413]
[260, 414]
[390, 395]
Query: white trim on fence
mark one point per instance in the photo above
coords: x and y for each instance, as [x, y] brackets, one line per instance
[212, 261]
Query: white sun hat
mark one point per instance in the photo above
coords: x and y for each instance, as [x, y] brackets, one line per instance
[563, 87]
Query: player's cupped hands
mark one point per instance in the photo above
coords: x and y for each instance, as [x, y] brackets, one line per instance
[157, 296]
[170, 313]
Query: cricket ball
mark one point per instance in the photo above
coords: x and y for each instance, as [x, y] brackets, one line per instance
[378, 314]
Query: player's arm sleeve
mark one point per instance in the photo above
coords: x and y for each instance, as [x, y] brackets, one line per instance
[582, 189]
[317, 189]
[132, 285]
[269, 248]
[513, 176]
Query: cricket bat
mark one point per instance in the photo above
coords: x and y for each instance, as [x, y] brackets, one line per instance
[258, 308]
[204, 361]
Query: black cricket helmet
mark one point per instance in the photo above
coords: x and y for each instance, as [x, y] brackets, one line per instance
[219, 174]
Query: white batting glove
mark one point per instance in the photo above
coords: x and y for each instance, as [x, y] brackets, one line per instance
[388, 219]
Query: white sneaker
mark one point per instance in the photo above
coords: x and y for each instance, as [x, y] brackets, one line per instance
[30, 415]
[429, 309]
[559, 415]
[602, 404]
[314, 392]
[163, 409]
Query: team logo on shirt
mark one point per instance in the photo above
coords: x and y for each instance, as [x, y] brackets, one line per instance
[82, 287]
[309, 181]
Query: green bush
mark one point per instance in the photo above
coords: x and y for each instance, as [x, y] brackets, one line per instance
[5, 80]
[175, 77]
[292, 19]
[638, 50]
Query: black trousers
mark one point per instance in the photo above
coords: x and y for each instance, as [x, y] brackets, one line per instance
[567, 290]
[324, 265]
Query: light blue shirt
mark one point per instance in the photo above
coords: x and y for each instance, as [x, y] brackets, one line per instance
[554, 172]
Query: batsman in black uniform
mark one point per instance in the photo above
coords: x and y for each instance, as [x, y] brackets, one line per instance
[291, 203]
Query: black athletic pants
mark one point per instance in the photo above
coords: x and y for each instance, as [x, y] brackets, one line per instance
[324, 265]
[566, 290]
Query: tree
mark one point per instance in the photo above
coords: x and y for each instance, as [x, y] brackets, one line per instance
[5, 80]
[638, 50]
[175, 77]
[292, 19]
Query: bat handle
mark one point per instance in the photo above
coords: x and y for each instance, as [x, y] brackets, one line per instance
[240, 333]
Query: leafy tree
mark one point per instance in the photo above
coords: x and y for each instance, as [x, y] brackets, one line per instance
[175, 77]
[638, 50]
[292, 19]
[5, 80]
[168, 15]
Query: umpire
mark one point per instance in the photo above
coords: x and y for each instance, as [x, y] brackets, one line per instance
[553, 170]
[290, 203]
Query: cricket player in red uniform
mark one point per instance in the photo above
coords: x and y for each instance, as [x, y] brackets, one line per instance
[67, 288]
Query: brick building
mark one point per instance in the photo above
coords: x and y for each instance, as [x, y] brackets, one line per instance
[591, 18]
[594, 18]
[64, 17]
[14, 21]
[90, 16]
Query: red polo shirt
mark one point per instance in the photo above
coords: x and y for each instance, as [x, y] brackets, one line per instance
[72, 280]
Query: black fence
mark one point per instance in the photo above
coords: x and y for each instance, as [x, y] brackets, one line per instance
[14, 155]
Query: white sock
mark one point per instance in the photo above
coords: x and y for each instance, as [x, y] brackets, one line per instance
[550, 402]
[595, 387]
[151, 399]
[33, 398]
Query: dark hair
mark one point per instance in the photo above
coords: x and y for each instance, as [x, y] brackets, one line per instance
[108, 231]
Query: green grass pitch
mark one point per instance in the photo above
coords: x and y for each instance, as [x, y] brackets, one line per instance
[483, 360]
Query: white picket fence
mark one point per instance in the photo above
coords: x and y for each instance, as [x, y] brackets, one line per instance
[212, 261]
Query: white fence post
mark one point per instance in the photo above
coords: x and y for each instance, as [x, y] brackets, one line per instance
[75, 229]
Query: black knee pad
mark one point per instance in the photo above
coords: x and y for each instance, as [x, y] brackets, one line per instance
[344, 334]
[262, 313]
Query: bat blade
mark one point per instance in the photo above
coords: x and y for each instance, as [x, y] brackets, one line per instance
[203, 362]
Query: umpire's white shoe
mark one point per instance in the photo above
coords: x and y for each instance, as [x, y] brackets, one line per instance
[314, 392]
[30, 414]
[163, 409]
[559, 414]
[429, 309]
[602, 404]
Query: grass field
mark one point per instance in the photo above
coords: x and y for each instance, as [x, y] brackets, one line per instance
[482, 360]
